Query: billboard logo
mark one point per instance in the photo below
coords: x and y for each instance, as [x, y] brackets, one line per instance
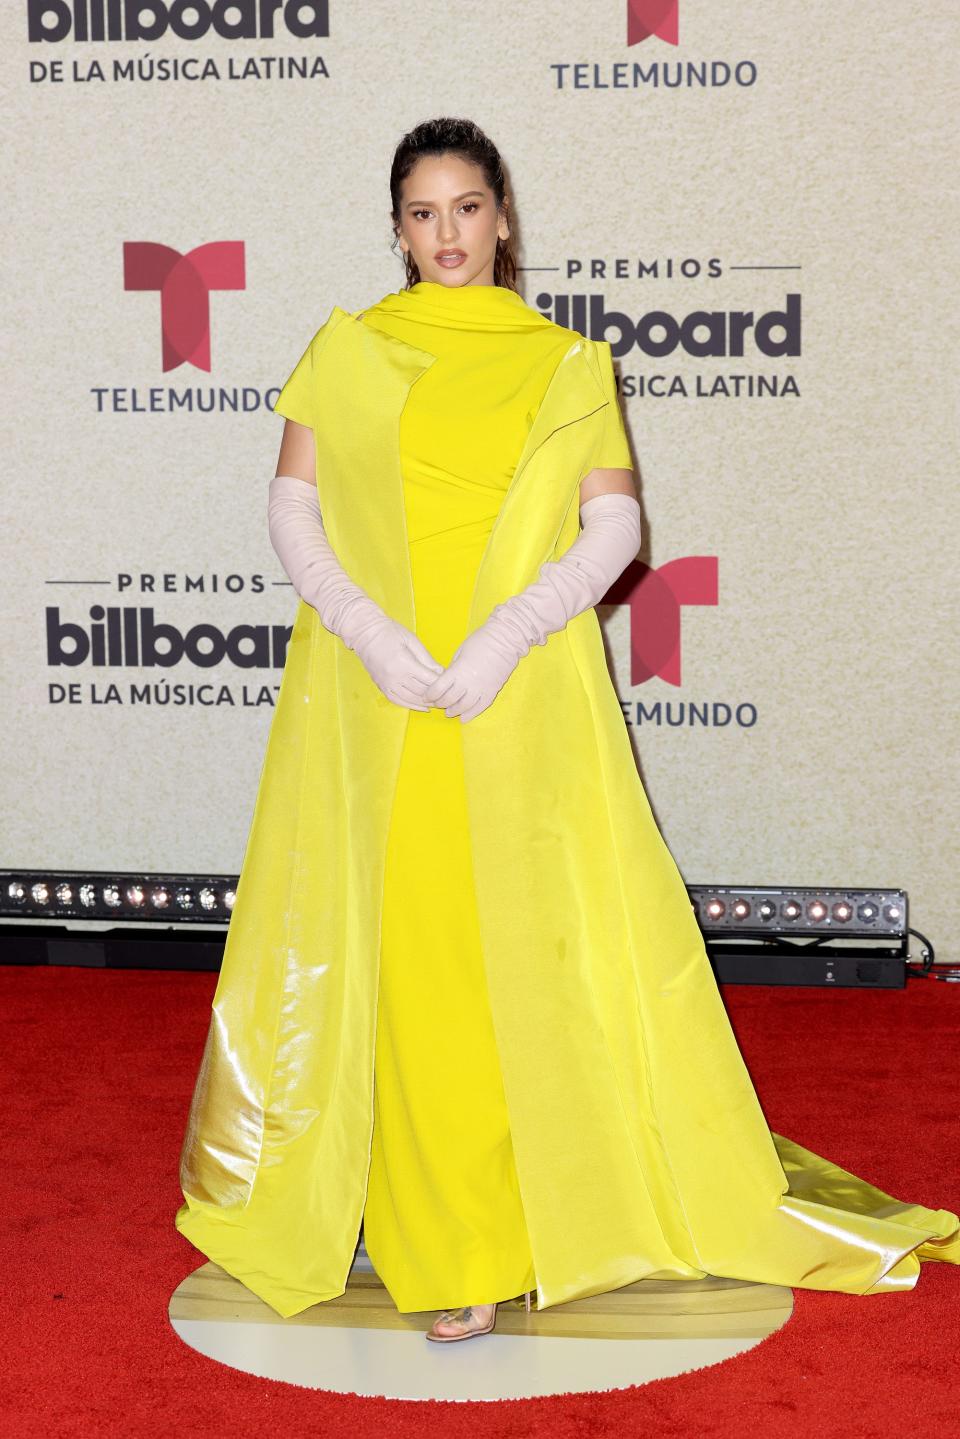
[656, 598]
[658, 333]
[653, 17]
[130, 636]
[184, 283]
[53, 21]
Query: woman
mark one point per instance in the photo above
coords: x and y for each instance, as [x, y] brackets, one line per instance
[464, 998]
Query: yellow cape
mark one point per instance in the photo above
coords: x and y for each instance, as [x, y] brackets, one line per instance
[640, 1145]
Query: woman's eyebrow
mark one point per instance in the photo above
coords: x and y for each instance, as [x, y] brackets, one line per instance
[430, 202]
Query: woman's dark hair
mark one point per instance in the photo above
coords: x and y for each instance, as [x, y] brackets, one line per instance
[464, 138]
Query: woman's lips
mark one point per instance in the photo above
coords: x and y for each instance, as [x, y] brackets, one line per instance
[450, 259]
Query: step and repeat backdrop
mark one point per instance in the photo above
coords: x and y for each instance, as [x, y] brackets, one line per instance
[753, 203]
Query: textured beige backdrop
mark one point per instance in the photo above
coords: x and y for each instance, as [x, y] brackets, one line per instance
[832, 515]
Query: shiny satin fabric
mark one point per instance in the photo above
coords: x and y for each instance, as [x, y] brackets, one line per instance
[640, 1145]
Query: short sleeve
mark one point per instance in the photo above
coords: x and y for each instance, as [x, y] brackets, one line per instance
[299, 399]
[614, 449]
[296, 400]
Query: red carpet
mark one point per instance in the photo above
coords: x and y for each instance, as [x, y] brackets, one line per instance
[97, 1073]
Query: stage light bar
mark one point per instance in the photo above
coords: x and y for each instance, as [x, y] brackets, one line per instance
[757, 910]
[753, 934]
[102, 894]
[720, 909]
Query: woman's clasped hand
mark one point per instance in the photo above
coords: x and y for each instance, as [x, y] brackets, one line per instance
[407, 673]
[479, 669]
[476, 674]
[399, 664]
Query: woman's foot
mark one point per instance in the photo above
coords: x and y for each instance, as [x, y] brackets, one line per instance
[463, 1323]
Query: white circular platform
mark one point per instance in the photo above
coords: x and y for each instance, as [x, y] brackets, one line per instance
[360, 1344]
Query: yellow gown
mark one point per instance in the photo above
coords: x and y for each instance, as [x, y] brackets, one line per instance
[356, 1067]
[443, 1220]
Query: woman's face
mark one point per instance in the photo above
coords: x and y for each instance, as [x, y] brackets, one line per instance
[445, 205]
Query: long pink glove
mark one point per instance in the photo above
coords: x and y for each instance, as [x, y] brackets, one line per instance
[397, 662]
[481, 666]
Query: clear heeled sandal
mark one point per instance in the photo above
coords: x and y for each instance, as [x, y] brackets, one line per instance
[463, 1315]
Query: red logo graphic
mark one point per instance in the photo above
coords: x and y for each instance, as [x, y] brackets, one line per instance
[184, 282]
[655, 597]
[653, 17]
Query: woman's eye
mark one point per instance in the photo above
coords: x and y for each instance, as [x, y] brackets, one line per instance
[469, 205]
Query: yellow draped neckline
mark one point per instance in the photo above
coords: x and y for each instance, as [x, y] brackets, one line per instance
[462, 307]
